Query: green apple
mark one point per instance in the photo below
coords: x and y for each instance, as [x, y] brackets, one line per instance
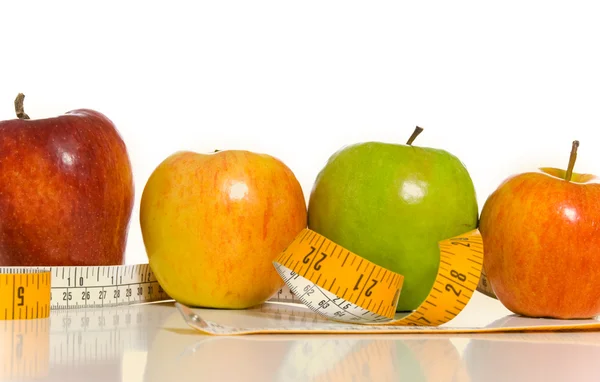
[392, 204]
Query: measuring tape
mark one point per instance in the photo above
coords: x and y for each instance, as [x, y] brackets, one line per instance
[32, 292]
[24, 293]
[343, 286]
[35, 346]
[318, 273]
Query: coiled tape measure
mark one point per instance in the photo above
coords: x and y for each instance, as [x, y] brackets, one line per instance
[318, 273]
[343, 286]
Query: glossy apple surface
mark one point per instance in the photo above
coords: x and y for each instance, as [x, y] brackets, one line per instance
[66, 191]
[541, 236]
[392, 204]
[212, 225]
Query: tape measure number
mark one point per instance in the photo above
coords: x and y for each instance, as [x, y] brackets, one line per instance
[319, 273]
[32, 292]
[24, 293]
[104, 286]
[343, 286]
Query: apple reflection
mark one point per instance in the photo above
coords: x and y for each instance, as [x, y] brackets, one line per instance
[552, 356]
[528, 360]
[373, 359]
[178, 352]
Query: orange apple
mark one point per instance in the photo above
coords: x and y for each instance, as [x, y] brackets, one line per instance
[541, 237]
[213, 223]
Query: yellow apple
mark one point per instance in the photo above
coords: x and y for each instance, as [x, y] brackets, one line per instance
[213, 223]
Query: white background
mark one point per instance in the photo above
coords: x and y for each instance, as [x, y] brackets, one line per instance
[505, 86]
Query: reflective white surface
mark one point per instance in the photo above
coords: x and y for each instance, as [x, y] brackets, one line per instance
[153, 343]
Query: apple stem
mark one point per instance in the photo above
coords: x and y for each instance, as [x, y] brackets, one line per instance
[572, 161]
[414, 135]
[19, 109]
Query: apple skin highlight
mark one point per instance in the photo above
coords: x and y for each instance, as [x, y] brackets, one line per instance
[541, 236]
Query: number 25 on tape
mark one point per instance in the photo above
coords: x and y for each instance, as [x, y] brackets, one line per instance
[343, 286]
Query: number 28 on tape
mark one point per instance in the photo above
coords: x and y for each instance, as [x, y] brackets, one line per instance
[343, 286]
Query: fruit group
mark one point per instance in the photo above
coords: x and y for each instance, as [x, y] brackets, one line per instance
[392, 204]
[213, 223]
[66, 190]
[541, 239]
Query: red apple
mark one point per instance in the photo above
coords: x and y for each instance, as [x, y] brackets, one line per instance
[541, 236]
[66, 190]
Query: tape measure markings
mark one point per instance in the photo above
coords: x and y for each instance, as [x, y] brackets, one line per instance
[453, 280]
[24, 293]
[111, 286]
[349, 287]
[303, 288]
[74, 287]
[142, 270]
[357, 280]
[313, 257]
[460, 267]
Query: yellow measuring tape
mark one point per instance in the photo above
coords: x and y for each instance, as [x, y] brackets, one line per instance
[323, 275]
[24, 294]
[343, 286]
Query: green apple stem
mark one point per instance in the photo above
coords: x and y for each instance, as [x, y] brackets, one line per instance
[572, 159]
[19, 109]
[414, 135]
